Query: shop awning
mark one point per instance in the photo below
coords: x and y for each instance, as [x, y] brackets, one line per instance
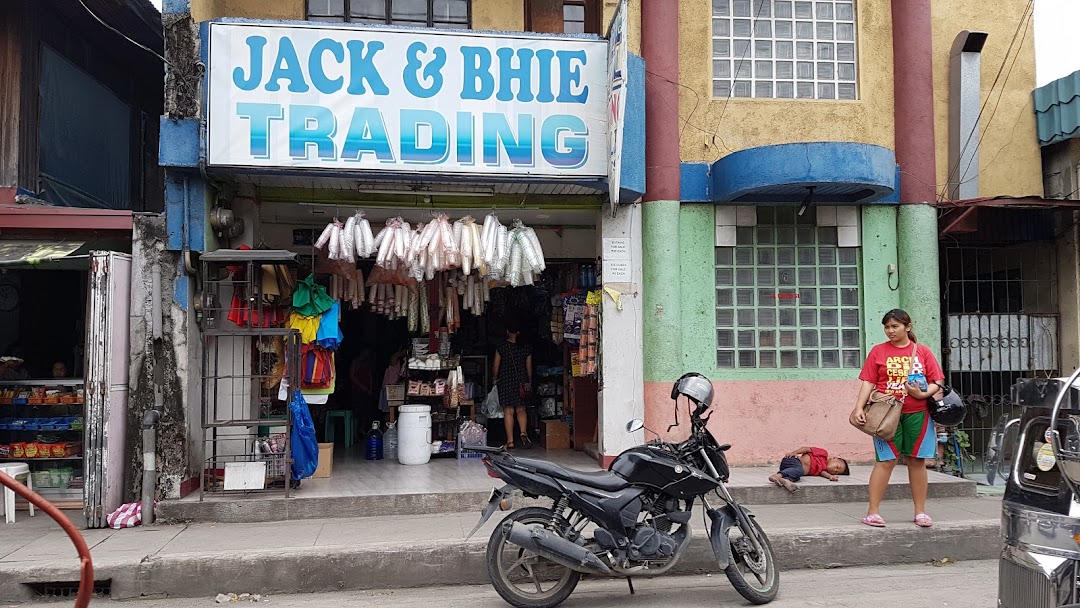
[28, 252]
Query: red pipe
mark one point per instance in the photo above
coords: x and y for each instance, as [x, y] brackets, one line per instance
[86, 573]
[660, 48]
[913, 90]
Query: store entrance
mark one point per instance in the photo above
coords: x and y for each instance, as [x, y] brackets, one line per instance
[388, 364]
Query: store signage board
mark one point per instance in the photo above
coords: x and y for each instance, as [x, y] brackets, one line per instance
[617, 74]
[343, 99]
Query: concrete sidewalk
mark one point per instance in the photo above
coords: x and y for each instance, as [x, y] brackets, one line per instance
[449, 486]
[201, 560]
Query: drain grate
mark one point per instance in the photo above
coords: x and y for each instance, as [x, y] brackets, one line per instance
[68, 589]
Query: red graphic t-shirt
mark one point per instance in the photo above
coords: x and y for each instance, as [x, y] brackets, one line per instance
[888, 367]
[819, 459]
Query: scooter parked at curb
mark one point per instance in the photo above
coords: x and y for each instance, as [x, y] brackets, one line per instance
[639, 513]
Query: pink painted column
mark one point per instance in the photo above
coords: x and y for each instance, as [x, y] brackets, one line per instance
[913, 87]
[660, 48]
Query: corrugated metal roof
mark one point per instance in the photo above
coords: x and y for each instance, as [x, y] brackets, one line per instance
[1057, 109]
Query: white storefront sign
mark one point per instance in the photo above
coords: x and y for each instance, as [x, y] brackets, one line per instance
[616, 100]
[353, 99]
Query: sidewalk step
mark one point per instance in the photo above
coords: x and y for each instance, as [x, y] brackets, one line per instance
[749, 485]
[201, 560]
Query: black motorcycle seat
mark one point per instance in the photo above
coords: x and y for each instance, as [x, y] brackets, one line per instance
[601, 480]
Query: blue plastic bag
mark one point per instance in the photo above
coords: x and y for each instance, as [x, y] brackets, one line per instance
[305, 448]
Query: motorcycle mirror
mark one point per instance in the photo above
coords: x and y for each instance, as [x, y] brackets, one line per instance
[635, 425]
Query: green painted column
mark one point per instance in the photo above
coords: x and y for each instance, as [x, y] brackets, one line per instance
[917, 254]
[880, 288]
[661, 269]
[697, 280]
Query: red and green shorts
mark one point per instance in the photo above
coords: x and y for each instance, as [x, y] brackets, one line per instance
[914, 437]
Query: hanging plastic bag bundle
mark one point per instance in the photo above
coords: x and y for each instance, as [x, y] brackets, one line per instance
[305, 448]
[348, 240]
[363, 240]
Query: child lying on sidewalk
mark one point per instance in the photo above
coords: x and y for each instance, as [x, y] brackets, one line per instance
[808, 461]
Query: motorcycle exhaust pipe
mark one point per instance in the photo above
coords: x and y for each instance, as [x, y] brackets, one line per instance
[547, 544]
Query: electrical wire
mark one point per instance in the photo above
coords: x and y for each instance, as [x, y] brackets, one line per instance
[993, 113]
[1028, 11]
[174, 69]
[739, 64]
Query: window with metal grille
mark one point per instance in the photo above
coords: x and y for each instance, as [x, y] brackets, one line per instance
[449, 14]
[784, 49]
[788, 288]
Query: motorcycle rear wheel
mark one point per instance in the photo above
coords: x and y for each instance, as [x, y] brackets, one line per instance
[754, 576]
[509, 566]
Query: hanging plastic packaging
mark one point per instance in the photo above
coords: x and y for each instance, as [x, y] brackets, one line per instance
[305, 448]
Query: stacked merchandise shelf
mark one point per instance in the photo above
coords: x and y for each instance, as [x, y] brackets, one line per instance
[42, 423]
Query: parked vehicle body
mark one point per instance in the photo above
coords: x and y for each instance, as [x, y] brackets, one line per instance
[630, 521]
[1040, 518]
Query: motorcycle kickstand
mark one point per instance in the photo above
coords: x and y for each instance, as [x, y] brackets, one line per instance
[630, 581]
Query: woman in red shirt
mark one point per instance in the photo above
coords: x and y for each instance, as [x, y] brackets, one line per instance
[902, 368]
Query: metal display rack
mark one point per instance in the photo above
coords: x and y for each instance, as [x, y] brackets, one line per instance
[246, 426]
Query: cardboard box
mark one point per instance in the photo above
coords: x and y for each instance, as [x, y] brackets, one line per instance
[554, 435]
[326, 461]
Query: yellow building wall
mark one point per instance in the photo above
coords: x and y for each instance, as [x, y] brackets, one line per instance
[203, 10]
[1010, 162]
[499, 15]
[717, 127]
[502, 15]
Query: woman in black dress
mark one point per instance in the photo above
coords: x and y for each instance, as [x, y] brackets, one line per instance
[512, 373]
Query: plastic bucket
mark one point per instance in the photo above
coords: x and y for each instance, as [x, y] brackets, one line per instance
[414, 434]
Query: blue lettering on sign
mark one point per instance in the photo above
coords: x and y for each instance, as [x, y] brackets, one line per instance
[287, 66]
[544, 59]
[478, 81]
[432, 71]
[564, 141]
[426, 137]
[319, 78]
[259, 116]
[250, 83]
[498, 134]
[367, 135]
[311, 126]
[508, 74]
[412, 122]
[465, 148]
[570, 63]
[363, 68]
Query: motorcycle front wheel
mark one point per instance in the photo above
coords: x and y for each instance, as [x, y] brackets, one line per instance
[753, 574]
[522, 578]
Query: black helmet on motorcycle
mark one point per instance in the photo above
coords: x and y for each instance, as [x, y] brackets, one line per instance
[949, 410]
[694, 387]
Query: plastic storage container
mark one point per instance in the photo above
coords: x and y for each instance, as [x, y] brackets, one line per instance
[390, 441]
[414, 434]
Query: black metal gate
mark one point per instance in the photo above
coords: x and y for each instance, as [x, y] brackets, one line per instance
[1000, 324]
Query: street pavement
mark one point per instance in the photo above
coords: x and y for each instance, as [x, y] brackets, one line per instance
[955, 585]
[403, 551]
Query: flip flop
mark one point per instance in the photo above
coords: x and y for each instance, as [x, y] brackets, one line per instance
[923, 520]
[874, 521]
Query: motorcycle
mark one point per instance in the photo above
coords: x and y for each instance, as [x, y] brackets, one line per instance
[638, 513]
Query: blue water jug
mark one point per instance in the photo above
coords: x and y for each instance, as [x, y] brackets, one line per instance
[374, 445]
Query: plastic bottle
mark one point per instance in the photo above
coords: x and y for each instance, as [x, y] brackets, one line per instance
[390, 441]
[374, 443]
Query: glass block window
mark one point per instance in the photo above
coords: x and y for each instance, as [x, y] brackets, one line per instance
[787, 296]
[452, 14]
[778, 49]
